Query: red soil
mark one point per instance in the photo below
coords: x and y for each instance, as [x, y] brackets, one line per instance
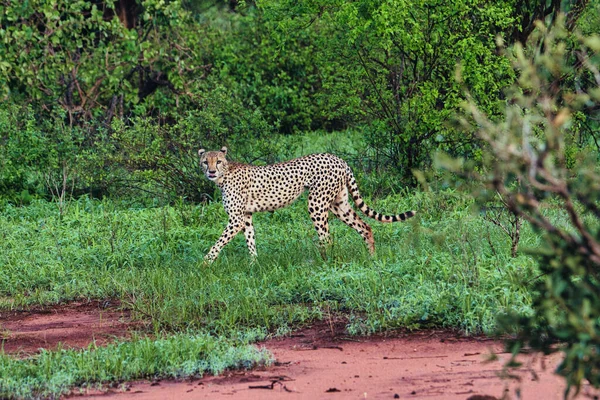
[314, 363]
[73, 325]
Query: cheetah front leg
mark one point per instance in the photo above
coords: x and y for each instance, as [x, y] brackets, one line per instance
[234, 226]
[249, 233]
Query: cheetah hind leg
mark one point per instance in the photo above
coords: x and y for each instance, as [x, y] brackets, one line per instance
[318, 209]
[342, 209]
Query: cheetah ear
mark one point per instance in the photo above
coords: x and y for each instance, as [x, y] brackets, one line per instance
[201, 151]
[224, 150]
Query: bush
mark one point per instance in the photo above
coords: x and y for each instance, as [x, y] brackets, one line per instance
[397, 62]
[141, 154]
[163, 158]
[33, 151]
[98, 59]
[530, 163]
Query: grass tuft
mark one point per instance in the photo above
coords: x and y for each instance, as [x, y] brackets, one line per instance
[53, 373]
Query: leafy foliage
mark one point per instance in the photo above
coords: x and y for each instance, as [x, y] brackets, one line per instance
[399, 59]
[32, 152]
[529, 164]
[94, 69]
[79, 56]
[282, 82]
[139, 154]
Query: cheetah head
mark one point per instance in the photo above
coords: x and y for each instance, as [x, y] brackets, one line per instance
[213, 163]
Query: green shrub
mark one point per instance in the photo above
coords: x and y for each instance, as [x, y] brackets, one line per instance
[531, 164]
[141, 154]
[34, 152]
[97, 60]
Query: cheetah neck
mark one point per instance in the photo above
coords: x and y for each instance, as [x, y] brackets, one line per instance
[232, 166]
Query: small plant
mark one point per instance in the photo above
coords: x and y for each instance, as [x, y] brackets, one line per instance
[509, 222]
[59, 188]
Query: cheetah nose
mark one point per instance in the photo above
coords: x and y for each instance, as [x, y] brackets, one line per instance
[212, 172]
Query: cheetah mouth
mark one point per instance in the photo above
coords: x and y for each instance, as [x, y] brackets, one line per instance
[211, 176]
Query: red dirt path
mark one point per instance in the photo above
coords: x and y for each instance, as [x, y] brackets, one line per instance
[72, 325]
[314, 363]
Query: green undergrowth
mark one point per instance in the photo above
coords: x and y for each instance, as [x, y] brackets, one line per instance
[437, 269]
[444, 268]
[52, 373]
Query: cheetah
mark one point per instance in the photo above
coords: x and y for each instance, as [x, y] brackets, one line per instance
[248, 189]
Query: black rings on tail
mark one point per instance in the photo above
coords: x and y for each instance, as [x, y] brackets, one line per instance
[365, 209]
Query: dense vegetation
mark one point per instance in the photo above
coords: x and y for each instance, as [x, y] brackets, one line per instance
[104, 105]
[445, 269]
[117, 95]
[534, 160]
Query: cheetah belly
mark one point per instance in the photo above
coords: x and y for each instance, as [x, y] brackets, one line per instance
[277, 191]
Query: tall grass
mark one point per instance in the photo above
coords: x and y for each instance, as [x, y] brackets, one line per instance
[446, 267]
[438, 269]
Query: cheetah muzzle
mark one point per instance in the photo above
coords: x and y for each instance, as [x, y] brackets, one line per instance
[248, 189]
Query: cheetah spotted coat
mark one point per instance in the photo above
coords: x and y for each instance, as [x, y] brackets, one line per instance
[248, 189]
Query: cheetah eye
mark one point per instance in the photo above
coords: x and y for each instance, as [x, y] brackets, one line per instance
[205, 163]
[218, 162]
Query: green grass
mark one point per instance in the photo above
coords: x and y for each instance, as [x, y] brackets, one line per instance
[52, 373]
[436, 270]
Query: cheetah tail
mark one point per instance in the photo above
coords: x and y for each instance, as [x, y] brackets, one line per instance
[369, 212]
